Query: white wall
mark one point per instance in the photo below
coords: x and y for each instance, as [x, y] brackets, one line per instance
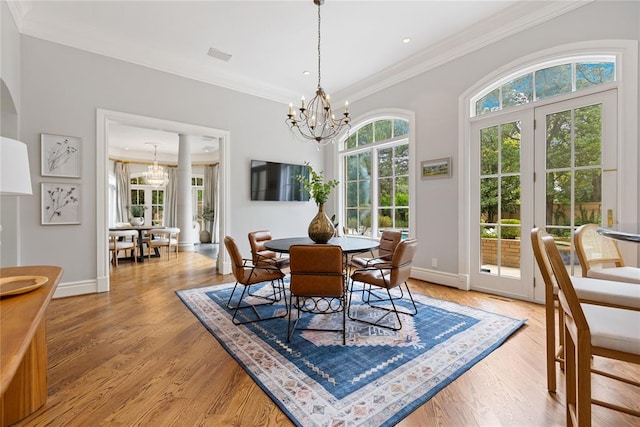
[62, 88]
[434, 98]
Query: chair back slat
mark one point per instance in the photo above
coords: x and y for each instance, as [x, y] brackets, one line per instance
[316, 270]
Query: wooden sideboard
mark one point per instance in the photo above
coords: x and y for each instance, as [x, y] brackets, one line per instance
[23, 345]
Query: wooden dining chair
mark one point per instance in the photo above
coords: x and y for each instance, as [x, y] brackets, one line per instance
[317, 285]
[591, 291]
[247, 275]
[123, 240]
[163, 238]
[387, 276]
[389, 240]
[261, 255]
[600, 257]
[591, 330]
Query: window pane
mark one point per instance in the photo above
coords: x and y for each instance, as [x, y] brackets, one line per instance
[385, 219]
[401, 159]
[489, 200]
[558, 198]
[364, 165]
[559, 140]
[402, 218]
[489, 102]
[588, 196]
[489, 150]
[352, 167]
[352, 221]
[553, 81]
[402, 191]
[510, 197]
[385, 193]
[518, 91]
[352, 194]
[400, 127]
[385, 162]
[382, 130]
[593, 74]
[511, 147]
[365, 134]
[588, 143]
[351, 141]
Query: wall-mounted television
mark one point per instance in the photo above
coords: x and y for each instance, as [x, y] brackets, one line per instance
[272, 181]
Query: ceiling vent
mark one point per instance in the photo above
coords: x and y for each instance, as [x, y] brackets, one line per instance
[215, 53]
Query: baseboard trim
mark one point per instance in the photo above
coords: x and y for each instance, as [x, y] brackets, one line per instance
[70, 289]
[440, 277]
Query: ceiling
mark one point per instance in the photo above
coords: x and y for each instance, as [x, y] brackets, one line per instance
[272, 43]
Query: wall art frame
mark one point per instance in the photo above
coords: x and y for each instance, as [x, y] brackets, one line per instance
[60, 156]
[60, 203]
[436, 168]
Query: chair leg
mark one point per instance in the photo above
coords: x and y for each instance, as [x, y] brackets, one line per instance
[239, 306]
[393, 310]
[551, 344]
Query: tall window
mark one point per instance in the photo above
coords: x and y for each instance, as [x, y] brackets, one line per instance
[375, 162]
[150, 198]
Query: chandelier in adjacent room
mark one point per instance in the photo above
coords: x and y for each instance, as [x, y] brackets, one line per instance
[156, 175]
[317, 121]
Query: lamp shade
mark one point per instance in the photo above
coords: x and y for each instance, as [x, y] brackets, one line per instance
[15, 178]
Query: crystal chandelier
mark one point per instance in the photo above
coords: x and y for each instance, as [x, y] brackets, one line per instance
[317, 121]
[156, 175]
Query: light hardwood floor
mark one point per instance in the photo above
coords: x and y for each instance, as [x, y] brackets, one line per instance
[137, 356]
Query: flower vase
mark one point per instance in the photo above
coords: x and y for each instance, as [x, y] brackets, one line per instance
[321, 229]
[136, 221]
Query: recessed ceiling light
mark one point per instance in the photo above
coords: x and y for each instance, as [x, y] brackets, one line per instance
[306, 73]
[406, 40]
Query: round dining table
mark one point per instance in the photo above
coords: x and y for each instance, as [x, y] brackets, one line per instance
[349, 245]
[619, 235]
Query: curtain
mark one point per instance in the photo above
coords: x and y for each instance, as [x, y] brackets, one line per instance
[210, 199]
[123, 191]
[171, 199]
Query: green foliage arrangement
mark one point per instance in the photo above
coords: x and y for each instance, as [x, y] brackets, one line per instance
[137, 211]
[315, 186]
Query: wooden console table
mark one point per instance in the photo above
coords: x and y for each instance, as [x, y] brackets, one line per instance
[23, 345]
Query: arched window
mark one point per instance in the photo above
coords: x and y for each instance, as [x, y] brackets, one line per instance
[545, 80]
[375, 162]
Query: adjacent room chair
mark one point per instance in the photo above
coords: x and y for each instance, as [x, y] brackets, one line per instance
[600, 257]
[247, 274]
[317, 284]
[163, 238]
[123, 240]
[389, 240]
[592, 291]
[261, 255]
[387, 276]
[591, 330]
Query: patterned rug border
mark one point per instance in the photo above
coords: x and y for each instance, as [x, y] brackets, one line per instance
[400, 413]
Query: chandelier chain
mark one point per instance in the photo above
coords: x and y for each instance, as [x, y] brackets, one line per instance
[319, 45]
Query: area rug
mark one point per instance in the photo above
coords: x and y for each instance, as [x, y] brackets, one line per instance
[376, 379]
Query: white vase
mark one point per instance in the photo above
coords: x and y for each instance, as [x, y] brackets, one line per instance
[136, 221]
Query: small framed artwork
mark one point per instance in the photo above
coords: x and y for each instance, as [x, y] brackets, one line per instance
[60, 156]
[436, 168]
[60, 203]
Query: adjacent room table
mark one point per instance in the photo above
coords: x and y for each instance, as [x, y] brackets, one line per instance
[141, 229]
[619, 235]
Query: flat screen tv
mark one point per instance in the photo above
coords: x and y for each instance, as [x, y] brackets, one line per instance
[272, 181]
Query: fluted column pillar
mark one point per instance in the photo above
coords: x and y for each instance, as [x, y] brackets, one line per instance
[185, 211]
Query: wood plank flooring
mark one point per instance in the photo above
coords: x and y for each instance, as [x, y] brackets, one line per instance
[136, 356]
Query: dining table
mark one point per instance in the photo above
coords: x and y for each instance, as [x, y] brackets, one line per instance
[619, 235]
[349, 245]
[141, 229]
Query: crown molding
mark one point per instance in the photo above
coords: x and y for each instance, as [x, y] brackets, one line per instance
[519, 17]
[18, 10]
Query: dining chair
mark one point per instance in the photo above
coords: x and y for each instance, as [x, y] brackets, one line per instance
[389, 240]
[317, 285]
[592, 291]
[163, 238]
[247, 274]
[600, 257]
[591, 330]
[123, 240]
[387, 276]
[261, 255]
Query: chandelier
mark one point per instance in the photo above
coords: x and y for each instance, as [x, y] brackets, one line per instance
[156, 175]
[317, 121]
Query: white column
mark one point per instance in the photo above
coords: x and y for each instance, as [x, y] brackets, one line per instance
[185, 213]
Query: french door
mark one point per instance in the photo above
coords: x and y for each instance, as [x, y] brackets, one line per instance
[553, 166]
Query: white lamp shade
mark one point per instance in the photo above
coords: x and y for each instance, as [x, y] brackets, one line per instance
[15, 178]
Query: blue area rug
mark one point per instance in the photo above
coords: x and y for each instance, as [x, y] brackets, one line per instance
[377, 379]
